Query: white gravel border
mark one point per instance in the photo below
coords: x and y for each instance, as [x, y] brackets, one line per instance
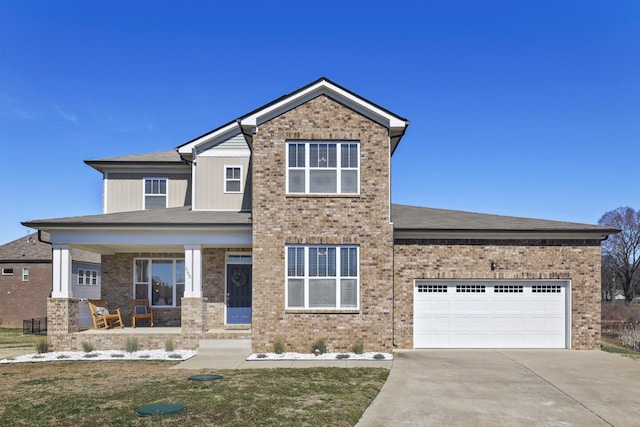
[325, 356]
[63, 356]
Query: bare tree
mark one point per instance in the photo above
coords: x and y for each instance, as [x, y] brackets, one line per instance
[621, 251]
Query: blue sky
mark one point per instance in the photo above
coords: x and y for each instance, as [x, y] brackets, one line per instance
[524, 108]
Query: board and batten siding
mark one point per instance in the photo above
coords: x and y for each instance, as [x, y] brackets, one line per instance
[124, 191]
[210, 179]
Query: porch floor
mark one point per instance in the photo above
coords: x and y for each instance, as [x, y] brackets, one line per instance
[216, 333]
[134, 331]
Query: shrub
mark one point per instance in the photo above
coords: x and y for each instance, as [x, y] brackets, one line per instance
[630, 338]
[261, 356]
[342, 356]
[358, 347]
[379, 356]
[132, 345]
[278, 346]
[168, 345]
[42, 345]
[87, 346]
[319, 345]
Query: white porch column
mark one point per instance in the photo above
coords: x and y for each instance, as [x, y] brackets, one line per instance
[193, 271]
[61, 272]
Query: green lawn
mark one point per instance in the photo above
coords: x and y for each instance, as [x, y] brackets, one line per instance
[108, 393]
[13, 338]
[612, 345]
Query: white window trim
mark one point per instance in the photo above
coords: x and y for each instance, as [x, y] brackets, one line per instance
[25, 274]
[93, 274]
[149, 281]
[307, 166]
[306, 278]
[7, 271]
[226, 180]
[144, 190]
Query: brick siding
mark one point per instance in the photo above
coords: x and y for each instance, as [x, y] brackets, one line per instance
[580, 263]
[363, 220]
[24, 300]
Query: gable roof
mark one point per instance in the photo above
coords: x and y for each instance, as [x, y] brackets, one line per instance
[323, 86]
[25, 249]
[421, 222]
[30, 250]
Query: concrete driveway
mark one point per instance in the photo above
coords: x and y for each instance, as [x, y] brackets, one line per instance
[508, 388]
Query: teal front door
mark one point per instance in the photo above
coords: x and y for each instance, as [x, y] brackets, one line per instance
[238, 293]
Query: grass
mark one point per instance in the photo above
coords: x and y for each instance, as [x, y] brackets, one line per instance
[13, 338]
[107, 393]
[612, 345]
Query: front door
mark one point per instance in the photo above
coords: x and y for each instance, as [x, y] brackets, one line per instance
[238, 293]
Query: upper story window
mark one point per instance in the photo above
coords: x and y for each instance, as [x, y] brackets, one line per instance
[25, 274]
[7, 271]
[232, 179]
[155, 193]
[323, 167]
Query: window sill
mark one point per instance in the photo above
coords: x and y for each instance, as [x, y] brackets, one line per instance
[322, 311]
[322, 195]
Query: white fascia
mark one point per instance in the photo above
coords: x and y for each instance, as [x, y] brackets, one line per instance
[211, 138]
[395, 125]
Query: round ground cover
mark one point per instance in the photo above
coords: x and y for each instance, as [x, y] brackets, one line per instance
[205, 377]
[160, 409]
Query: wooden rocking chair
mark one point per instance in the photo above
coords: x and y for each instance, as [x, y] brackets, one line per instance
[104, 317]
[140, 310]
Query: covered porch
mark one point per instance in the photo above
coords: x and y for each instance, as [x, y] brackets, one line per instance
[177, 259]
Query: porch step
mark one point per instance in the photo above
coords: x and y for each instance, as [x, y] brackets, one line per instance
[227, 334]
[224, 346]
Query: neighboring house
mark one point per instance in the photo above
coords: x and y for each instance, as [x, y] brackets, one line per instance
[281, 223]
[26, 275]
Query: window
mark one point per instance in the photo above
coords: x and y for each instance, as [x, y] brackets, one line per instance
[232, 180]
[25, 274]
[87, 277]
[7, 271]
[323, 167]
[322, 277]
[155, 193]
[161, 281]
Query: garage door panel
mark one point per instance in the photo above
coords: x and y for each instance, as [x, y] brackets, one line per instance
[490, 315]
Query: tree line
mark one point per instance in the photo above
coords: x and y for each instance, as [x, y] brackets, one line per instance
[621, 254]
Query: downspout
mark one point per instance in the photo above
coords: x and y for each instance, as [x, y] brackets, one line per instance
[40, 238]
[393, 295]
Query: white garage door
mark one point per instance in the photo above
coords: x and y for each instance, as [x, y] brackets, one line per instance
[490, 314]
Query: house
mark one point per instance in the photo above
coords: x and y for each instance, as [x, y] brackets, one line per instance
[25, 280]
[279, 225]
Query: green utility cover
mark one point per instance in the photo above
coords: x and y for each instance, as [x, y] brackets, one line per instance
[205, 377]
[160, 409]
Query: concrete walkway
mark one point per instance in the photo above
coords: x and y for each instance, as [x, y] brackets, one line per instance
[508, 388]
[232, 354]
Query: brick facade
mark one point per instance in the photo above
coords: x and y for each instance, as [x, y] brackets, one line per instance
[22, 300]
[579, 262]
[362, 220]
